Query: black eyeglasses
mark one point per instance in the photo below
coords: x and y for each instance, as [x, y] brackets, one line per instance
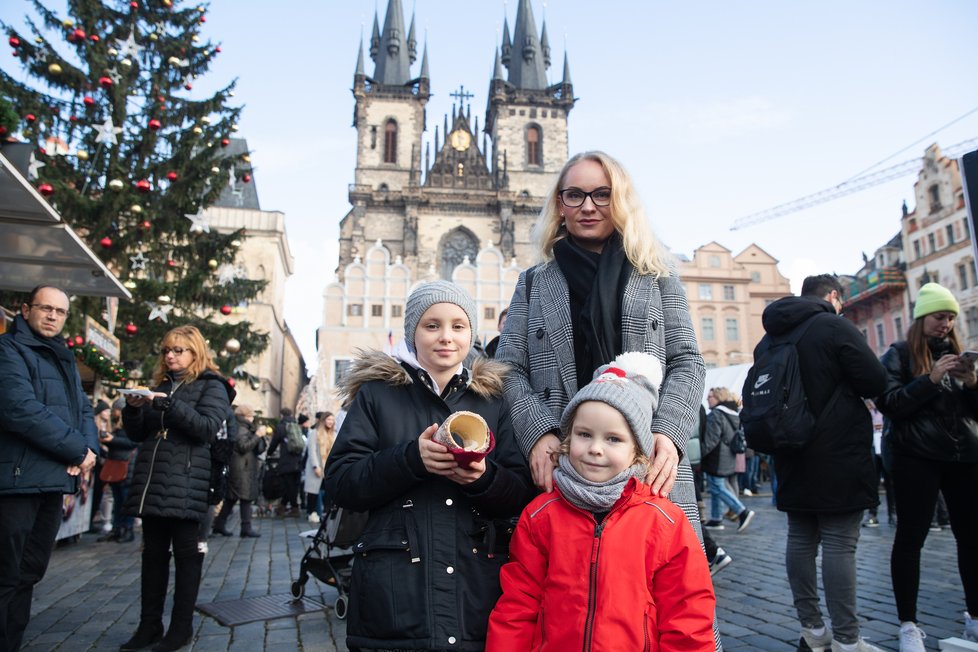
[176, 350]
[47, 310]
[574, 197]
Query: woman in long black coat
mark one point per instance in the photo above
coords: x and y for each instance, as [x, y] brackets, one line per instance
[242, 473]
[176, 424]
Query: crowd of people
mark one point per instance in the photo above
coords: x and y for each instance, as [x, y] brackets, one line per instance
[574, 516]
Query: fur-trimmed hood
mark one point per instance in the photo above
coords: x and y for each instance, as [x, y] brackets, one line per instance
[485, 376]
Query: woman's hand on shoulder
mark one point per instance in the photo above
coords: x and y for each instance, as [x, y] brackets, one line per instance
[542, 463]
[663, 465]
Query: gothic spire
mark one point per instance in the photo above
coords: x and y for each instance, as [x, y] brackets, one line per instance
[393, 59]
[497, 68]
[359, 71]
[507, 46]
[424, 62]
[374, 38]
[527, 67]
[412, 42]
[545, 45]
[567, 79]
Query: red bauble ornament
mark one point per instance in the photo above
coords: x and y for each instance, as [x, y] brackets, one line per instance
[171, 263]
[188, 86]
[225, 142]
[70, 343]
[246, 178]
[88, 101]
[79, 340]
[79, 34]
[203, 19]
[14, 42]
[73, 118]
[143, 185]
[45, 189]
[105, 82]
[145, 224]
[231, 382]
[94, 38]
[131, 329]
[217, 49]
[106, 242]
[225, 309]
[3, 130]
[42, 151]
[134, 4]
[172, 176]
[30, 117]
[154, 124]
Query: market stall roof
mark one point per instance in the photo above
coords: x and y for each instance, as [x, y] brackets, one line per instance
[37, 247]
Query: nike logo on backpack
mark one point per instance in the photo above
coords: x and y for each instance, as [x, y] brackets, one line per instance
[763, 378]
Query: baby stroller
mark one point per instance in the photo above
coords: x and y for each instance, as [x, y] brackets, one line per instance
[330, 555]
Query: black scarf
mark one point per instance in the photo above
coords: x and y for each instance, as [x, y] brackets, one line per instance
[596, 283]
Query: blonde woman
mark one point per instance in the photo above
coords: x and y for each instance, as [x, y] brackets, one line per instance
[719, 459]
[176, 424]
[318, 445]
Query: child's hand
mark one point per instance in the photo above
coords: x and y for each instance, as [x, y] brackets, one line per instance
[664, 465]
[436, 458]
[462, 475]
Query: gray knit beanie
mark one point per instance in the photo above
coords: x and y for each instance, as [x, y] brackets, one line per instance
[427, 295]
[630, 384]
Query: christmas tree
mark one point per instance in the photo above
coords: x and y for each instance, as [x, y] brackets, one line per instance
[130, 157]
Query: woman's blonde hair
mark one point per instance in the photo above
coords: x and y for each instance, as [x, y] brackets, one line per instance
[724, 395]
[643, 249]
[325, 437]
[186, 337]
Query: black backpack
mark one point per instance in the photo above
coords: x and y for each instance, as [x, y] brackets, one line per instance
[776, 417]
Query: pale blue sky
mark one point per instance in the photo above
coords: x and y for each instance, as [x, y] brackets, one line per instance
[718, 109]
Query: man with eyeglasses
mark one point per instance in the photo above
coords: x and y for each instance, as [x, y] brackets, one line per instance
[47, 441]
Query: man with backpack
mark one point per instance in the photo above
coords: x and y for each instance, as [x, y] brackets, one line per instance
[290, 443]
[826, 476]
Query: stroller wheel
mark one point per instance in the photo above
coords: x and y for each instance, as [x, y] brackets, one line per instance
[298, 589]
[339, 608]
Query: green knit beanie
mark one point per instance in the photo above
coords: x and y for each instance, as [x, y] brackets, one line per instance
[934, 298]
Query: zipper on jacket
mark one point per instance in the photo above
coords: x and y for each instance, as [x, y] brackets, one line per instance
[149, 476]
[645, 631]
[592, 590]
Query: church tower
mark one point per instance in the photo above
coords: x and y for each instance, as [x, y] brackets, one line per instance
[390, 106]
[526, 117]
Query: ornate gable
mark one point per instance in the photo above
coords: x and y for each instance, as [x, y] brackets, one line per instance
[459, 163]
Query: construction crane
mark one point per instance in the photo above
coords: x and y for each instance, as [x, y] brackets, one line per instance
[855, 184]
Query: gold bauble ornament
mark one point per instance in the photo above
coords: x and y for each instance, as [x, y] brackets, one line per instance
[136, 209]
[68, 23]
[82, 155]
[212, 263]
[234, 127]
[194, 38]
[54, 69]
[130, 284]
[173, 61]
[126, 62]
[112, 52]
[216, 170]
[116, 184]
[153, 36]
[246, 158]
[163, 299]
[198, 130]
[232, 346]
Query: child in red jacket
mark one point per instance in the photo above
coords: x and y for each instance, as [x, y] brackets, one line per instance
[600, 562]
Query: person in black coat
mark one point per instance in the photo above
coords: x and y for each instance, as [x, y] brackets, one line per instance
[242, 473]
[826, 487]
[426, 569]
[176, 423]
[289, 464]
[931, 400]
[119, 447]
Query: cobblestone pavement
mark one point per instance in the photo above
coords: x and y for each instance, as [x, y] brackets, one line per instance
[89, 599]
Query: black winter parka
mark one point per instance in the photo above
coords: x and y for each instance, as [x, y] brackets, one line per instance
[172, 474]
[836, 472]
[426, 568]
[935, 421]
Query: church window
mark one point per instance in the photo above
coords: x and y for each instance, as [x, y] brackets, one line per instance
[383, 187]
[377, 310]
[390, 142]
[533, 113]
[373, 137]
[533, 145]
[522, 111]
[512, 111]
[455, 249]
[397, 311]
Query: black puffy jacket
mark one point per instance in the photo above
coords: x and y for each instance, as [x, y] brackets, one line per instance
[933, 421]
[172, 474]
[426, 568]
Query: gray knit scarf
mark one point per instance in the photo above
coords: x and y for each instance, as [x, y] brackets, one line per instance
[593, 496]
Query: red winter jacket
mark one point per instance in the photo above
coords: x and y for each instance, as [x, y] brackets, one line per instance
[638, 581]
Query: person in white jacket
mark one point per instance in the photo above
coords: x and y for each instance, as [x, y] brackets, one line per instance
[318, 444]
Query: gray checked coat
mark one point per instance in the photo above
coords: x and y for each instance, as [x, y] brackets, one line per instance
[538, 343]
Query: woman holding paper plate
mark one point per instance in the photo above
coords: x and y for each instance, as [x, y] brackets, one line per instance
[176, 422]
[931, 400]
[427, 447]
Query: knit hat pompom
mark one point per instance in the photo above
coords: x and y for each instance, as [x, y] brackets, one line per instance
[428, 294]
[932, 298]
[630, 384]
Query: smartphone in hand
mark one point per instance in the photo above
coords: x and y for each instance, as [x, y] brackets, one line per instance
[969, 357]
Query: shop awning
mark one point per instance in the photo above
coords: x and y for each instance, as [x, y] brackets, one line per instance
[37, 247]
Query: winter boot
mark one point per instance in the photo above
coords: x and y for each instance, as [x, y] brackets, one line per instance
[187, 582]
[155, 576]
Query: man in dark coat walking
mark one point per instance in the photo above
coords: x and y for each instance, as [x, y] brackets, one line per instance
[826, 487]
[47, 440]
[290, 463]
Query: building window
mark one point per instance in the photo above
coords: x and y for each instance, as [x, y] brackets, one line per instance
[932, 242]
[706, 291]
[898, 327]
[489, 313]
[963, 276]
[755, 277]
[713, 260]
[457, 247]
[390, 142]
[971, 320]
[879, 335]
[935, 198]
[728, 293]
[376, 310]
[967, 231]
[341, 366]
[950, 234]
[397, 311]
[534, 140]
[732, 330]
[916, 249]
[706, 327]
[354, 309]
